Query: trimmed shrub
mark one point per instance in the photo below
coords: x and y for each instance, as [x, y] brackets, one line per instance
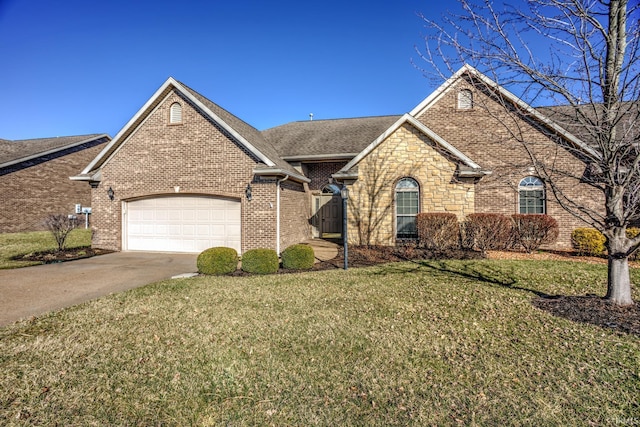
[219, 260]
[260, 261]
[438, 230]
[485, 231]
[534, 230]
[588, 241]
[298, 257]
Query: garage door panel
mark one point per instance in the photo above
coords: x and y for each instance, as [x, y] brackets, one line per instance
[182, 224]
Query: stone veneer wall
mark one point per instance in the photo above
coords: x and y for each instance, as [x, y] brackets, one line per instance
[405, 153]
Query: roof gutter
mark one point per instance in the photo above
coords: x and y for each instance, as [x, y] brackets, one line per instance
[320, 157]
[280, 172]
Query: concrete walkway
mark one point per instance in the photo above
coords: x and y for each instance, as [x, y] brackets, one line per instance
[323, 250]
[32, 291]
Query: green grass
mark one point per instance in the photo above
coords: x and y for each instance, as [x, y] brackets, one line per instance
[439, 343]
[13, 244]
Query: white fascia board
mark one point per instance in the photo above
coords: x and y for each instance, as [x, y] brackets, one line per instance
[54, 150]
[319, 157]
[130, 123]
[439, 92]
[422, 128]
[278, 171]
[87, 177]
[536, 114]
[223, 124]
[172, 82]
[466, 68]
[440, 141]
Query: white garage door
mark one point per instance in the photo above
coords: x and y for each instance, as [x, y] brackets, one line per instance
[182, 224]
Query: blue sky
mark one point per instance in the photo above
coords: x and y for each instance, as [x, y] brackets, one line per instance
[80, 66]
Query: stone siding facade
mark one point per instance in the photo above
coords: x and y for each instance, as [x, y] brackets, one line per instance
[405, 153]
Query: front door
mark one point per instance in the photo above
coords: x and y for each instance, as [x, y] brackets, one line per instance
[328, 213]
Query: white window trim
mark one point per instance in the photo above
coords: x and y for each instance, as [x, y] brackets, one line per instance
[539, 187]
[395, 197]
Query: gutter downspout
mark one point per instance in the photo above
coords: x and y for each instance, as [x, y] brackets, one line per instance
[280, 181]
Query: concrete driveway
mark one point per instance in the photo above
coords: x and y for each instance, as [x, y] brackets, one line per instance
[32, 291]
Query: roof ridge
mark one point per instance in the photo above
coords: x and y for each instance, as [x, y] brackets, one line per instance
[195, 92]
[54, 137]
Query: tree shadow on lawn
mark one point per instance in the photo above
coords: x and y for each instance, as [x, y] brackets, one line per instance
[590, 309]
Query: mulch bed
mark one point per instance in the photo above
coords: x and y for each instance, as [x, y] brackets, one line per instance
[594, 310]
[52, 257]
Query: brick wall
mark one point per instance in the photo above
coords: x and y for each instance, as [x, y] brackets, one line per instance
[35, 189]
[294, 214]
[319, 173]
[489, 134]
[405, 153]
[199, 157]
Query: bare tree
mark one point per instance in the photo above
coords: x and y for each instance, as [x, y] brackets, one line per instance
[578, 54]
[60, 226]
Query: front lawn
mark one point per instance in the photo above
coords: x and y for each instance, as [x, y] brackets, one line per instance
[430, 343]
[13, 244]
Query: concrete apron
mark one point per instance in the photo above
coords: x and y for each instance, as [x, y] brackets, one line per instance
[32, 291]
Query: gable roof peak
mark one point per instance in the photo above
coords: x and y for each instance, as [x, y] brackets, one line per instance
[245, 134]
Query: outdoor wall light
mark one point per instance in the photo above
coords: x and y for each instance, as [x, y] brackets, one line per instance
[247, 191]
[110, 193]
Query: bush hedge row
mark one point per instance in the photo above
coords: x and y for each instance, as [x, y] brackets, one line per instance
[222, 260]
[485, 231]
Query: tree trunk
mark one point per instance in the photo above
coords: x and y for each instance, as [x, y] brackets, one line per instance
[618, 281]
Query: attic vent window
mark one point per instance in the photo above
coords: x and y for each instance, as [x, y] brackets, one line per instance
[465, 99]
[175, 114]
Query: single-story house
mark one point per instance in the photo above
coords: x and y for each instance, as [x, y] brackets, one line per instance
[184, 174]
[34, 177]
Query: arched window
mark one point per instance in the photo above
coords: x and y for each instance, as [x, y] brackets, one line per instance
[465, 99]
[531, 195]
[175, 113]
[407, 207]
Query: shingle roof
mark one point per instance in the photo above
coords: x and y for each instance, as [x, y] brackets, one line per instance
[566, 116]
[251, 134]
[327, 137]
[12, 151]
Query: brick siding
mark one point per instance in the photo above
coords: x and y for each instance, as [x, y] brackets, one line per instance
[40, 187]
[199, 157]
[489, 135]
[294, 214]
[320, 173]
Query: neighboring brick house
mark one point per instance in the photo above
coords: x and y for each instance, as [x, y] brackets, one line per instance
[185, 174]
[34, 177]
